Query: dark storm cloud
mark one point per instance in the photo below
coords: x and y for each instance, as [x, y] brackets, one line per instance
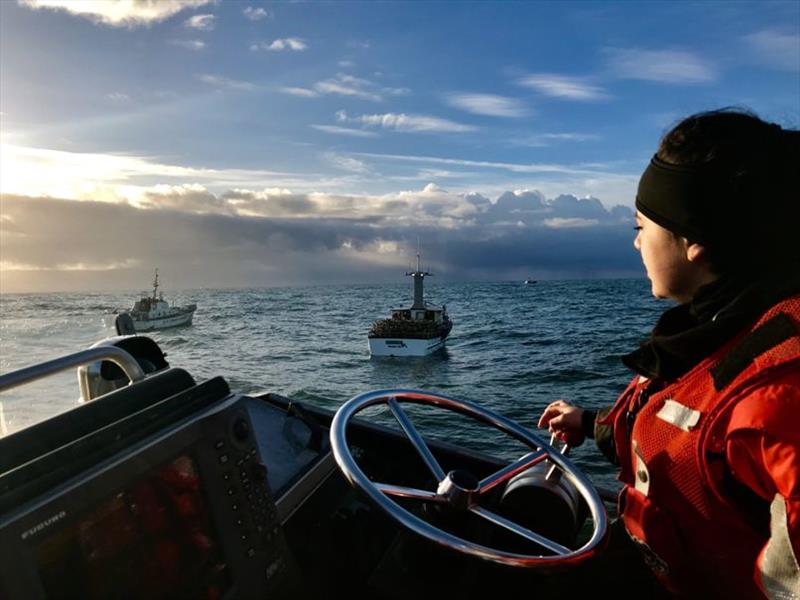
[61, 244]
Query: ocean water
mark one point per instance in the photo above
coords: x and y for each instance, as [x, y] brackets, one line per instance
[514, 348]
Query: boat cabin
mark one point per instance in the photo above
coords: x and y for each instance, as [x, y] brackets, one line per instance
[429, 313]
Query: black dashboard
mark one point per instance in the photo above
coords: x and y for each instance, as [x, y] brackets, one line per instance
[164, 490]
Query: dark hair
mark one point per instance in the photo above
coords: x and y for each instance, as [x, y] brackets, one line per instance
[760, 163]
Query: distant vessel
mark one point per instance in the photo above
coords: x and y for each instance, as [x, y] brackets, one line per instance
[419, 330]
[153, 312]
[530, 281]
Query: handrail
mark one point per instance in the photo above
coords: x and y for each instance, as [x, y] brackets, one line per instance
[112, 353]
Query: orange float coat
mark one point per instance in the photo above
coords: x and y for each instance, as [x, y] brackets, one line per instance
[711, 466]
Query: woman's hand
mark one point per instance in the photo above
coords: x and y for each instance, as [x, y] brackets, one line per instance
[565, 421]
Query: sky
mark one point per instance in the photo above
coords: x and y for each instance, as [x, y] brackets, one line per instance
[247, 144]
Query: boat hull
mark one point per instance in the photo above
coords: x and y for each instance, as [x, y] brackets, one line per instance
[405, 346]
[165, 322]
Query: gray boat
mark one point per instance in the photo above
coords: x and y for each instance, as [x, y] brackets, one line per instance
[153, 312]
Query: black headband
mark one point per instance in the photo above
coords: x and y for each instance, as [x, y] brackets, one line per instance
[685, 199]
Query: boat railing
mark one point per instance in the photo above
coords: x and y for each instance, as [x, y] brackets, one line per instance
[114, 354]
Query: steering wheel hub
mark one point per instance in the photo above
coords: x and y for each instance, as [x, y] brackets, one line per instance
[459, 489]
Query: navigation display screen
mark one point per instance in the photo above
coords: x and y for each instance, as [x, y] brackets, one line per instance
[154, 539]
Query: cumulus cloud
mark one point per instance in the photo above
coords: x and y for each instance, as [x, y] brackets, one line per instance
[488, 104]
[293, 44]
[407, 123]
[660, 66]
[130, 13]
[432, 205]
[275, 237]
[776, 48]
[562, 86]
[187, 197]
[256, 14]
[201, 22]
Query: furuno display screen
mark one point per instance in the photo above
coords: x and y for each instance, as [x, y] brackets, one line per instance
[153, 539]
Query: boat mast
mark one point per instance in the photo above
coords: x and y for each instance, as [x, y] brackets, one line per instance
[155, 287]
[419, 277]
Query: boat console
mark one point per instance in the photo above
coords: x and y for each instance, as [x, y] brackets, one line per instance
[166, 488]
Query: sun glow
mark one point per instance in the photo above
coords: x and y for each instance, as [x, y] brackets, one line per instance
[77, 175]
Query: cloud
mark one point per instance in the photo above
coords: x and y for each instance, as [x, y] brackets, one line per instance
[92, 267]
[542, 140]
[562, 86]
[41, 171]
[224, 82]
[256, 14]
[201, 22]
[193, 198]
[120, 177]
[485, 164]
[348, 85]
[488, 104]
[131, 13]
[407, 123]
[775, 48]
[189, 44]
[297, 91]
[294, 44]
[344, 131]
[357, 87]
[118, 97]
[660, 66]
[347, 163]
[571, 223]
[432, 205]
[276, 237]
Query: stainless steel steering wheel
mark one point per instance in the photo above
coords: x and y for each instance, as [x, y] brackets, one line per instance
[460, 489]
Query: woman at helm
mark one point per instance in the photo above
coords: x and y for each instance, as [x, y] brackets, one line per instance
[707, 435]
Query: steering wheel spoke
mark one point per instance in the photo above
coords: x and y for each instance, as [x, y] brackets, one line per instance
[506, 473]
[408, 492]
[416, 439]
[520, 530]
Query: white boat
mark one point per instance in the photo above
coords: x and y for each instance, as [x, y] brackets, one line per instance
[153, 312]
[530, 281]
[419, 330]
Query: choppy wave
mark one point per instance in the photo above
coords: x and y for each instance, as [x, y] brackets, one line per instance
[514, 348]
